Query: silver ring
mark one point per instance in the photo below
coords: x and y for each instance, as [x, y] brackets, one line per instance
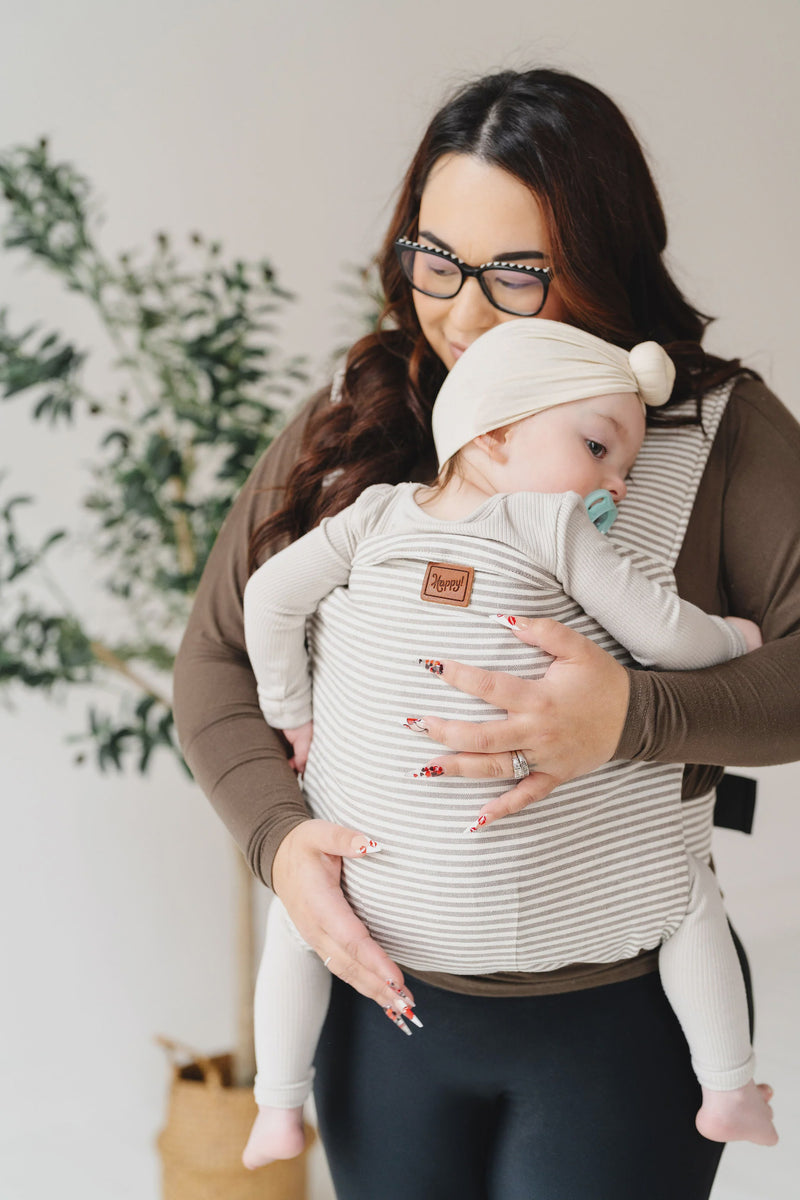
[327, 960]
[520, 764]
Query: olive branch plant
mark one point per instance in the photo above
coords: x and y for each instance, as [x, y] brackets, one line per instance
[199, 388]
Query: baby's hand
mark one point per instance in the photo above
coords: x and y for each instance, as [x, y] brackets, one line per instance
[749, 631]
[300, 741]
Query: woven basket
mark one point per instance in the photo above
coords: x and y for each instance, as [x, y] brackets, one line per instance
[207, 1126]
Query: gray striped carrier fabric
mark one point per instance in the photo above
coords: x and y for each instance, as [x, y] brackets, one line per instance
[597, 871]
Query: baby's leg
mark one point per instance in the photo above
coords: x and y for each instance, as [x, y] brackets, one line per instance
[703, 981]
[291, 1001]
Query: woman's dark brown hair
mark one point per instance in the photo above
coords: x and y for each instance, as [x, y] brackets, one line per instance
[571, 145]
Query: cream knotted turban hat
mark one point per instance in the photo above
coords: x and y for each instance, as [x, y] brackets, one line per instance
[519, 368]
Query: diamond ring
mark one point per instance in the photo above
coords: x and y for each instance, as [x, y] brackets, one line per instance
[520, 764]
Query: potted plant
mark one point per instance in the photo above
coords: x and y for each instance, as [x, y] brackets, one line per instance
[199, 388]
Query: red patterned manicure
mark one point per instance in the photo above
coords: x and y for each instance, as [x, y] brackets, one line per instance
[474, 828]
[398, 1020]
[403, 995]
[415, 723]
[409, 1012]
[370, 847]
[504, 620]
[431, 664]
[426, 773]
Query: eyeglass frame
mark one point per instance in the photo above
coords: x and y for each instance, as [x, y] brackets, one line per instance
[544, 274]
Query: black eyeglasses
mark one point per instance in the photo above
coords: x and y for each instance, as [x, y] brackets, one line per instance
[511, 287]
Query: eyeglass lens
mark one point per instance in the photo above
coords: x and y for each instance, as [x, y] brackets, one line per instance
[513, 291]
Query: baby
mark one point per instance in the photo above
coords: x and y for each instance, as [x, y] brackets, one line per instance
[535, 421]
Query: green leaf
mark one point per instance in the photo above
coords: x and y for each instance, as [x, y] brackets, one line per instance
[117, 435]
[194, 348]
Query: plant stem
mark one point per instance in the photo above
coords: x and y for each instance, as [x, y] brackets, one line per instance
[109, 659]
[184, 542]
[244, 1065]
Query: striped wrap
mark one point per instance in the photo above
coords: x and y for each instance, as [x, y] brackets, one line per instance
[597, 871]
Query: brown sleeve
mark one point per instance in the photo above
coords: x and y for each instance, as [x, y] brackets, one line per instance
[741, 557]
[239, 762]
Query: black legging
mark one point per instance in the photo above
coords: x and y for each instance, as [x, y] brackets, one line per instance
[581, 1096]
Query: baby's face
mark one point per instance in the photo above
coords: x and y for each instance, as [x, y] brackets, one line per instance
[575, 447]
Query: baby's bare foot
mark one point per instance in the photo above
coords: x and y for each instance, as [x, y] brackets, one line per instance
[743, 1115]
[276, 1133]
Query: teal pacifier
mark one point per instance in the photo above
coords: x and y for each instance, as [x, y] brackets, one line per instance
[602, 509]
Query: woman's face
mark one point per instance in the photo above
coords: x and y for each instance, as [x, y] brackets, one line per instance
[480, 213]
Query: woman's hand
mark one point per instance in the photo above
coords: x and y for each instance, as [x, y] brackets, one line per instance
[566, 724]
[306, 873]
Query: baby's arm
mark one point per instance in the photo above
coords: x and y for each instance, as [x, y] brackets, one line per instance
[278, 598]
[658, 628]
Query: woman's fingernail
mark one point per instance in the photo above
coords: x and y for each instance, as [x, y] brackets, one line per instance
[510, 622]
[431, 664]
[403, 995]
[369, 847]
[409, 1012]
[415, 723]
[426, 773]
[398, 1020]
[474, 828]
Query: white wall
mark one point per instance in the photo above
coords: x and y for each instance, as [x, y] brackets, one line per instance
[284, 131]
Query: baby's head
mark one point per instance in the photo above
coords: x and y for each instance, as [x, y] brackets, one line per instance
[540, 406]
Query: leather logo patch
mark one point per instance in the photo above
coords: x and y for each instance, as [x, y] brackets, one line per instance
[448, 583]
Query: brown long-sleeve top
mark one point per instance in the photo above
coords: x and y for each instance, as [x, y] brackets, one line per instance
[741, 556]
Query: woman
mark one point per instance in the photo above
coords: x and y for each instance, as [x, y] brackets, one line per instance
[522, 1085]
